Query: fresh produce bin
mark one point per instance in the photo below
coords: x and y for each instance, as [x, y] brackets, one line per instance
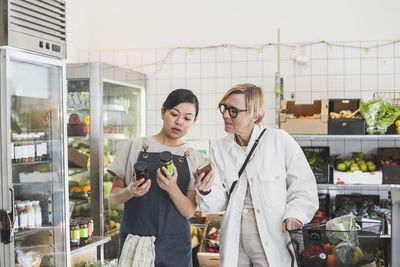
[389, 160]
[318, 158]
[359, 205]
[316, 246]
[304, 118]
[208, 254]
[356, 169]
[344, 117]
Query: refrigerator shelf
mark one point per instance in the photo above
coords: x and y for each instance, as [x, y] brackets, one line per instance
[31, 163]
[25, 233]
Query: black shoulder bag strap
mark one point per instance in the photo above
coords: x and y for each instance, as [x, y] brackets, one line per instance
[245, 162]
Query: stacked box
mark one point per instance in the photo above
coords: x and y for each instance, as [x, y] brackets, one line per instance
[351, 126]
[304, 118]
[389, 161]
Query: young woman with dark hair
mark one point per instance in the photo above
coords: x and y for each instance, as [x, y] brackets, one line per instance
[156, 211]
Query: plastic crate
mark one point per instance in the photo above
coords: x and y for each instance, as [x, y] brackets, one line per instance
[312, 246]
[391, 174]
[318, 158]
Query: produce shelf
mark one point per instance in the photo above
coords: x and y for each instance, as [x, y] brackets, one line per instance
[387, 137]
[97, 241]
[358, 186]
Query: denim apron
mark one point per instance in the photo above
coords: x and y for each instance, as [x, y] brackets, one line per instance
[154, 214]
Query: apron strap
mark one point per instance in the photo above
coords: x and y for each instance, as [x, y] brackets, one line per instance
[145, 146]
[186, 154]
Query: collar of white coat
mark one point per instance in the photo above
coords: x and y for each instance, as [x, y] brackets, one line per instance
[230, 139]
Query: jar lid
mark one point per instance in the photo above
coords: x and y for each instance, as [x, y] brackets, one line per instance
[140, 166]
[165, 156]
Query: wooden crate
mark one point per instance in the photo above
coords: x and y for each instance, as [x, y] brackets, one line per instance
[209, 259]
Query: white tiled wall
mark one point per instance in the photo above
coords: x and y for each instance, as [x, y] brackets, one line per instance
[329, 71]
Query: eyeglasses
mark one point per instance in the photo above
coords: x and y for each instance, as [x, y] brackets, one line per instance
[233, 112]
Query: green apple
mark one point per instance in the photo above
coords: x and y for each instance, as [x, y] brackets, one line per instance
[371, 167]
[364, 168]
[341, 167]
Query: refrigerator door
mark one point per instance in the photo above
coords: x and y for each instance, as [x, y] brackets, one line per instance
[123, 119]
[33, 158]
[78, 129]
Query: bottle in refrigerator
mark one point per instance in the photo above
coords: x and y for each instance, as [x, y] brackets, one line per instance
[17, 148]
[22, 216]
[43, 146]
[30, 214]
[16, 222]
[38, 149]
[38, 213]
[31, 148]
[24, 148]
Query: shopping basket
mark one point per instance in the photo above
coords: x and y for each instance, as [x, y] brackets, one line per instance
[315, 246]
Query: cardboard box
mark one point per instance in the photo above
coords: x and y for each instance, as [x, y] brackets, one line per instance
[357, 177]
[345, 125]
[209, 259]
[290, 112]
[77, 158]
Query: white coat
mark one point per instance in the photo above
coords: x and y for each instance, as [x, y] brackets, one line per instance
[281, 183]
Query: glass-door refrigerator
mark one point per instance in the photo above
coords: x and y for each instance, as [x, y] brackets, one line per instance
[105, 110]
[33, 201]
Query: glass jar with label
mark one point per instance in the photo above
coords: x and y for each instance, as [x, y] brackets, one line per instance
[83, 232]
[166, 161]
[74, 233]
[141, 171]
[91, 229]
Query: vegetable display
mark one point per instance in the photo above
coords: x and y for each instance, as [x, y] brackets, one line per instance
[342, 234]
[378, 114]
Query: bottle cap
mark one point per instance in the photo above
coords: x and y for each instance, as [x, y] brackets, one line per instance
[140, 166]
[165, 156]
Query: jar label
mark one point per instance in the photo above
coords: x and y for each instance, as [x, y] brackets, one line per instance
[83, 233]
[75, 235]
[170, 168]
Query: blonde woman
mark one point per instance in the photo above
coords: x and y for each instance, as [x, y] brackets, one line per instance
[275, 192]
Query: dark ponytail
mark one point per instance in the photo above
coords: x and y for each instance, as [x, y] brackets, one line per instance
[179, 96]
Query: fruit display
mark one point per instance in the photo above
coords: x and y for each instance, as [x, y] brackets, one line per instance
[393, 160]
[397, 123]
[196, 234]
[389, 159]
[113, 219]
[210, 242]
[357, 162]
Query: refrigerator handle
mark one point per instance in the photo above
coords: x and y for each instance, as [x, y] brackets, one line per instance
[12, 205]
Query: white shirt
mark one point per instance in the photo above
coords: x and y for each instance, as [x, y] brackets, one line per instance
[281, 183]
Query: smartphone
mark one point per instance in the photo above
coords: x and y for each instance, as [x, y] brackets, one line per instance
[205, 168]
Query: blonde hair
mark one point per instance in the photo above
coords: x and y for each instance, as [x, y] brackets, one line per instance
[254, 99]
